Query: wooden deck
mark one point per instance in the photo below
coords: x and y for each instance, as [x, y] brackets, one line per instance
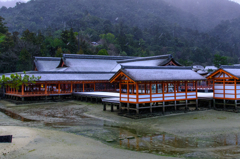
[112, 99]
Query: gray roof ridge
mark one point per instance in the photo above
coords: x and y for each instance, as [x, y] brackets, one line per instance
[59, 72]
[157, 67]
[167, 56]
[105, 57]
[229, 67]
[47, 58]
[67, 72]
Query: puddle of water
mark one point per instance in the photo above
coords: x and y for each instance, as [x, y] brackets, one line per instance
[15, 116]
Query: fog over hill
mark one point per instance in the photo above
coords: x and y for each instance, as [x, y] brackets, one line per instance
[201, 15]
[10, 3]
[193, 31]
[209, 12]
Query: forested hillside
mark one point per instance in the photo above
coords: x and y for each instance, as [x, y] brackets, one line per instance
[126, 27]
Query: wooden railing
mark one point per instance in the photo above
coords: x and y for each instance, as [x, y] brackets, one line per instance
[38, 93]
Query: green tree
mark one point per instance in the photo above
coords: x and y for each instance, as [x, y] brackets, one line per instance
[219, 60]
[80, 51]
[3, 28]
[16, 80]
[109, 37]
[102, 52]
[2, 37]
[24, 60]
[59, 52]
[72, 44]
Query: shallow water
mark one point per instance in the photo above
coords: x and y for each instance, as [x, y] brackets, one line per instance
[73, 121]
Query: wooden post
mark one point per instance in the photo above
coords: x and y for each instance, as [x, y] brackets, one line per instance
[22, 89]
[214, 103]
[186, 89]
[111, 107]
[196, 89]
[175, 105]
[163, 87]
[186, 107]
[120, 91]
[145, 88]
[224, 104]
[196, 104]
[150, 107]
[94, 86]
[137, 108]
[236, 104]
[83, 87]
[235, 84]
[128, 107]
[137, 92]
[150, 87]
[224, 88]
[163, 108]
[59, 88]
[127, 92]
[71, 87]
[45, 88]
[175, 91]
[104, 106]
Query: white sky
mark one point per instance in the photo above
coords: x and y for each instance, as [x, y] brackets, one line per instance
[10, 0]
[238, 1]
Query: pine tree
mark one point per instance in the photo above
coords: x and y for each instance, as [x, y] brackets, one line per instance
[59, 52]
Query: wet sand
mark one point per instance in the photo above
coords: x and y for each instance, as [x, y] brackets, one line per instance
[40, 143]
[191, 124]
[198, 134]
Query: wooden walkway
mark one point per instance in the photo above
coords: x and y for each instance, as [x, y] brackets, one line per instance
[111, 98]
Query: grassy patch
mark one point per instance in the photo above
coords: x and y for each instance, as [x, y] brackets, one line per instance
[32, 150]
[222, 118]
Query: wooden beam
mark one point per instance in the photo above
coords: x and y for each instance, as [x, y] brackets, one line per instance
[235, 87]
[120, 90]
[137, 93]
[22, 89]
[45, 88]
[83, 87]
[127, 92]
[59, 88]
[150, 87]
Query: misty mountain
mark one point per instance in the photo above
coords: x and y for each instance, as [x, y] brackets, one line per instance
[199, 15]
[209, 12]
[43, 13]
[11, 3]
[193, 31]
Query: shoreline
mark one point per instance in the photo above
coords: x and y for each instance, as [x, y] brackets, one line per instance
[41, 143]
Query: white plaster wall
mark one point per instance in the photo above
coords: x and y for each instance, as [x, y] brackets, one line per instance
[144, 100]
[229, 96]
[219, 95]
[132, 100]
[144, 96]
[169, 95]
[157, 95]
[157, 99]
[132, 96]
